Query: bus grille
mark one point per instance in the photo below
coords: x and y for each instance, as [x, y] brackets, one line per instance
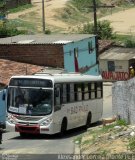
[22, 118]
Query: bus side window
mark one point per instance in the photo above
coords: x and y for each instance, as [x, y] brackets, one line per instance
[57, 92]
[64, 93]
[57, 99]
[86, 91]
[82, 88]
[57, 96]
[75, 91]
[68, 92]
[78, 92]
[93, 90]
[72, 95]
[99, 90]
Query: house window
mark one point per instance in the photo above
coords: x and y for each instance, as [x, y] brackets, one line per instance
[111, 66]
[90, 48]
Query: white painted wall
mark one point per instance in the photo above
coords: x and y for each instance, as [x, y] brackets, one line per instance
[123, 100]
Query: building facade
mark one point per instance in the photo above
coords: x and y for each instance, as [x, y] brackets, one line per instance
[115, 63]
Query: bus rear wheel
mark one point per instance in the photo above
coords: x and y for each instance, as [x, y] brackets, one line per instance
[63, 127]
[88, 122]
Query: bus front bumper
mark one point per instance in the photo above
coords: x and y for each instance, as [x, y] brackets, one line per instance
[31, 129]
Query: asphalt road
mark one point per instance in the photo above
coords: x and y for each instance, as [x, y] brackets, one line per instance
[46, 147]
[43, 147]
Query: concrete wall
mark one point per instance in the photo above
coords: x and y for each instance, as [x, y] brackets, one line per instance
[85, 57]
[123, 100]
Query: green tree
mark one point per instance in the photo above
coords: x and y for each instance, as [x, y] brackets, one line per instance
[104, 30]
[2, 12]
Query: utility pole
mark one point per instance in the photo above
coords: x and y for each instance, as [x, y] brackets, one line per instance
[95, 16]
[43, 15]
[95, 22]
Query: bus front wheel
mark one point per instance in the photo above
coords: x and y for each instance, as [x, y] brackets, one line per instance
[63, 127]
[88, 121]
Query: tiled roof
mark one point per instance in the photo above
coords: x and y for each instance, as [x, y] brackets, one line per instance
[9, 68]
[104, 45]
[44, 39]
[118, 53]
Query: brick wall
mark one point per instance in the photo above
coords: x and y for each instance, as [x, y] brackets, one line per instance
[15, 3]
[39, 54]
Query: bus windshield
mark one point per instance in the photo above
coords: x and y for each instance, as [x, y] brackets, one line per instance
[29, 101]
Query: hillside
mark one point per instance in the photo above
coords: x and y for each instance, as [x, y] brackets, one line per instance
[66, 15]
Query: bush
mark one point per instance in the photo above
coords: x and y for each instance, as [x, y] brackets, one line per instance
[130, 43]
[104, 30]
[121, 122]
[47, 31]
[8, 32]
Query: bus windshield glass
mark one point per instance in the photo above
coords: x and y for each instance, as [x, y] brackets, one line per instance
[29, 101]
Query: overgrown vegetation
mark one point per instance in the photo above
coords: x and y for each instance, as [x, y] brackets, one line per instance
[102, 130]
[71, 15]
[130, 43]
[104, 30]
[11, 28]
[20, 8]
[8, 32]
[84, 5]
[104, 140]
[131, 145]
[125, 40]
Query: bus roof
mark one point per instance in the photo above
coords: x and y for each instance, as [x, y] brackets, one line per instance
[64, 77]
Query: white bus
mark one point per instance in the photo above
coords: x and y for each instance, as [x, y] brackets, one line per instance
[52, 103]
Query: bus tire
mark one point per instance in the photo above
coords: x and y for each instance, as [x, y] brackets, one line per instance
[88, 121]
[63, 127]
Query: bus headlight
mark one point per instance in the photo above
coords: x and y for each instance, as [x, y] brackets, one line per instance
[11, 120]
[46, 122]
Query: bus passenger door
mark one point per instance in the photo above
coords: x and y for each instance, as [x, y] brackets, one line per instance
[57, 108]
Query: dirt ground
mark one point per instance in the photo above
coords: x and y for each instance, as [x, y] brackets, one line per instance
[50, 11]
[122, 22]
[108, 140]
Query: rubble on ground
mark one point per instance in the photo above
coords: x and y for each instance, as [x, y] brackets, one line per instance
[114, 138]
